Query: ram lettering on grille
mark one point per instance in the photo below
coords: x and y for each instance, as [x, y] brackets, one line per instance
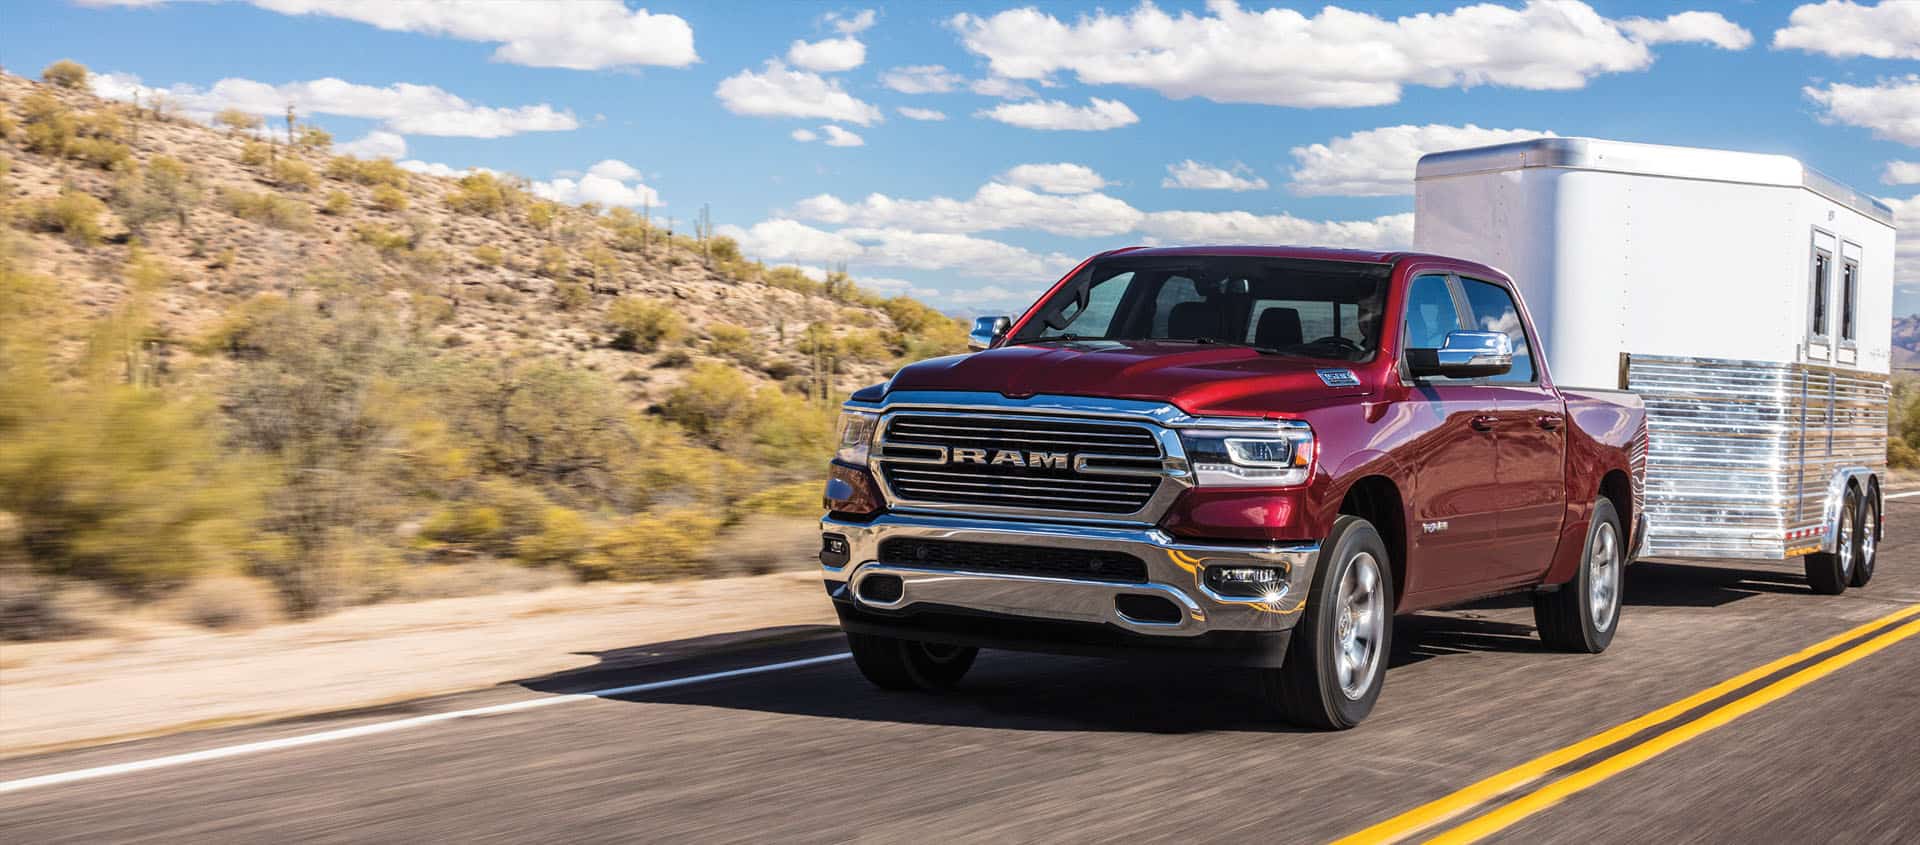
[962, 461]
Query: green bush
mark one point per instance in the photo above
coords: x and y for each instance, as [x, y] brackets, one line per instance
[489, 255]
[736, 343]
[290, 172]
[571, 296]
[382, 238]
[313, 139]
[73, 214]
[236, 120]
[389, 198]
[255, 153]
[50, 127]
[652, 546]
[99, 152]
[65, 73]
[266, 208]
[479, 193]
[563, 539]
[643, 325]
[551, 262]
[338, 203]
[378, 171]
[715, 402]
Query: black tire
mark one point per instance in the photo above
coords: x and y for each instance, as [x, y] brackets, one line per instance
[897, 664]
[1574, 618]
[1866, 541]
[1307, 690]
[1828, 573]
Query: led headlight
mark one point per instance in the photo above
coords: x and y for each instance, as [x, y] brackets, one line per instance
[855, 437]
[1280, 457]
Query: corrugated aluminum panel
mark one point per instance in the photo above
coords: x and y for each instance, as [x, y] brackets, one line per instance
[1740, 452]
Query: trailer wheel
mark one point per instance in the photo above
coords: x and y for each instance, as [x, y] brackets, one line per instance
[1336, 662]
[1828, 573]
[1866, 541]
[897, 664]
[1582, 615]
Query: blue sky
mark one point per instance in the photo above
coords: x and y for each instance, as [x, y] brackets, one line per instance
[700, 103]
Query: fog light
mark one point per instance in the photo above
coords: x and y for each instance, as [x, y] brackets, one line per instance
[1247, 582]
[833, 550]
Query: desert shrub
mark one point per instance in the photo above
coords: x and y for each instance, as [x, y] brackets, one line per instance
[551, 262]
[734, 342]
[73, 214]
[571, 296]
[489, 255]
[290, 172]
[869, 346]
[65, 73]
[226, 602]
[605, 264]
[382, 238]
[643, 325]
[313, 138]
[173, 187]
[651, 546]
[99, 152]
[463, 523]
[337, 203]
[100, 123]
[8, 127]
[540, 215]
[49, 126]
[266, 208]
[389, 198]
[479, 193]
[236, 120]
[791, 278]
[799, 498]
[255, 153]
[378, 171]
[715, 402]
[1902, 455]
[563, 539]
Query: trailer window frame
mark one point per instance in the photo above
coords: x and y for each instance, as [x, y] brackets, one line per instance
[1824, 247]
[1849, 295]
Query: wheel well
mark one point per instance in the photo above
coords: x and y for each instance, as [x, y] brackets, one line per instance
[1618, 490]
[1376, 500]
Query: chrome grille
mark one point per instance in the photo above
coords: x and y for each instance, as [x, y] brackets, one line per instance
[1112, 469]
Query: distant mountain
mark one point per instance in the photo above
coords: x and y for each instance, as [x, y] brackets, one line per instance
[1906, 342]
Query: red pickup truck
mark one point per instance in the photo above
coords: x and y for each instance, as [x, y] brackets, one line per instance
[1251, 454]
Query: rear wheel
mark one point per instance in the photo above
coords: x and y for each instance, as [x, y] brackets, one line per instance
[1866, 541]
[1581, 616]
[897, 664]
[1829, 573]
[1337, 659]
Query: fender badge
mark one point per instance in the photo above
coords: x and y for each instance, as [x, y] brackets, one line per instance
[1339, 378]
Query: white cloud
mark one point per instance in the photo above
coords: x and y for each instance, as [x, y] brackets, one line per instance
[1380, 162]
[1891, 108]
[434, 168]
[576, 34]
[1059, 178]
[1901, 173]
[852, 25]
[921, 79]
[610, 182]
[1336, 58]
[1695, 27]
[805, 135]
[1393, 231]
[376, 144]
[993, 295]
[830, 55]
[896, 287]
[781, 239]
[994, 206]
[402, 107]
[1906, 219]
[1055, 115]
[912, 113]
[1005, 89]
[1889, 30]
[1202, 177]
[781, 92]
[837, 137]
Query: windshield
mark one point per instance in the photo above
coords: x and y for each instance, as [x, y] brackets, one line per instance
[1310, 308]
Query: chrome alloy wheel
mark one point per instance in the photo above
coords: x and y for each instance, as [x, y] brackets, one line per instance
[1867, 539]
[1843, 543]
[1362, 626]
[1603, 575]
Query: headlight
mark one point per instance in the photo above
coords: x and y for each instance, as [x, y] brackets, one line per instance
[855, 437]
[1281, 457]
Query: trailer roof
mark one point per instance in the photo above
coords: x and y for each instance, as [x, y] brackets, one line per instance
[1650, 160]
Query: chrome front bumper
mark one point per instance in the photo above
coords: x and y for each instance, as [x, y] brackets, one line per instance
[1175, 572]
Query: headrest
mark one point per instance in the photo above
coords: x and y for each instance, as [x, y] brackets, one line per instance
[1278, 327]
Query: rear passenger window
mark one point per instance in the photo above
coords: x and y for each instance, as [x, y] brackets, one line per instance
[1493, 310]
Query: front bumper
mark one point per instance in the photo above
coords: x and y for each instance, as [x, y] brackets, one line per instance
[1175, 572]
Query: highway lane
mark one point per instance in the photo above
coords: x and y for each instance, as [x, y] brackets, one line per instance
[1083, 750]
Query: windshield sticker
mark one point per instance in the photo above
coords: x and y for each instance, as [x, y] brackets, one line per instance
[1339, 378]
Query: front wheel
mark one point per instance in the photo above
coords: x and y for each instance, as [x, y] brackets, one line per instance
[1581, 616]
[1829, 573]
[1336, 662]
[897, 664]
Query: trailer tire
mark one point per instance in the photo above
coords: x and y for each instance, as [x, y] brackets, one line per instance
[896, 664]
[1866, 541]
[1829, 573]
[1348, 622]
[1582, 615]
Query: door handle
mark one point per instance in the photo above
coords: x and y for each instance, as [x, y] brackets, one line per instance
[1548, 422]
[1484, 422]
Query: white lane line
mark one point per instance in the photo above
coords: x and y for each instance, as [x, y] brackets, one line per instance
[391, 726]
[1901, 495]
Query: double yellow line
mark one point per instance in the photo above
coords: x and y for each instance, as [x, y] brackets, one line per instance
[1446, 809]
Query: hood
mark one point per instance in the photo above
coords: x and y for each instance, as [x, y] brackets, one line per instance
[1199, 379]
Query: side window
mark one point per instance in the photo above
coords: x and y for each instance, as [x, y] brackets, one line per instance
[1430, 313]
[1493, 310]
[1849, 294]
[1096, 320]
[1822, 286]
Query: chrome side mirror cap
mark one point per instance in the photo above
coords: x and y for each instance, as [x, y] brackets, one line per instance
[1465, 355]
[988, 331]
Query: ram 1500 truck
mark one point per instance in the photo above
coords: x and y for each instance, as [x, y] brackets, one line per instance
[1251, 454]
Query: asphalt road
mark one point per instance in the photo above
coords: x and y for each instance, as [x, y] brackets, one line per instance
[1061, 749]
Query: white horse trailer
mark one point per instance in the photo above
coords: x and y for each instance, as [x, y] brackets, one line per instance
[1746, 297]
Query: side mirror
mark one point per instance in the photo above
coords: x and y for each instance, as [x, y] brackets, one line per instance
[987, 331]
[1465, 355]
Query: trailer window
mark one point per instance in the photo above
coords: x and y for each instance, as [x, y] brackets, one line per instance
[1849, 285]
[1493, 310]
[1822, 286]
